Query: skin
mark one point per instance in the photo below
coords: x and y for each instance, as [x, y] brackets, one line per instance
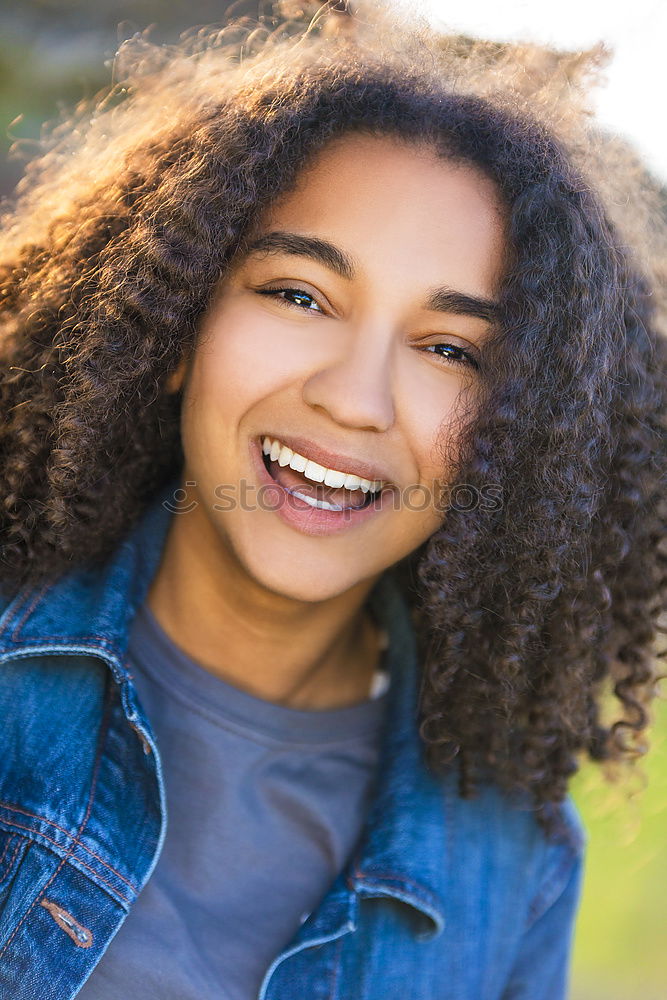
[235, 587]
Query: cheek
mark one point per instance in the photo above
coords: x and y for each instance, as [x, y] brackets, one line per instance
[251, 352]
[231, 367]
[431, 417]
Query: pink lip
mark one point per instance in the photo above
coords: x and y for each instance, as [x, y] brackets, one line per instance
[332, 459]
[299, 514]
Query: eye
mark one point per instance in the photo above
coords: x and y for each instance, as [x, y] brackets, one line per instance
[298, 298]
[453, 354]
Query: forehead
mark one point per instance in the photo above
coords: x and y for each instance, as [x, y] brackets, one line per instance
[399, 208]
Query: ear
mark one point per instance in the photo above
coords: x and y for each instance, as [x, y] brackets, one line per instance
[176, 379]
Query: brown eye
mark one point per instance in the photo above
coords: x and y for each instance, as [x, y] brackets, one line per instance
[453, 354]
[295, 297]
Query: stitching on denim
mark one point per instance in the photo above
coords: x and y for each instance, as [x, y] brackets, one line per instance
[104, 725]
[75, 860]
[10, 863]
[13, 608]
[68, 923]
[92, 636]
[7, 846]
[26, 812]
[28, 612]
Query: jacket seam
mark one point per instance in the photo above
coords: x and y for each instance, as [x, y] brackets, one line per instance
[7, 845]
[75, 860]
[67, 639]
[333, 981]
[12, 608]
[560, 876]
[88, 850]
[26, 614]
[104, 725]
[397, 879]
[10, 863]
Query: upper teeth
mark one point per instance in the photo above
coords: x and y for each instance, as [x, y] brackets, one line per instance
[318, 473]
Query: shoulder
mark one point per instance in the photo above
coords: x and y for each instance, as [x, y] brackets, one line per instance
[492, 807]
[500, 832]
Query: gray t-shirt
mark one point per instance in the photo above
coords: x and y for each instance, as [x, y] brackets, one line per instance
[264, 804]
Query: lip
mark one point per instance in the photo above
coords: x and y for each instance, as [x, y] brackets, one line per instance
[333, 460]
[313, 520]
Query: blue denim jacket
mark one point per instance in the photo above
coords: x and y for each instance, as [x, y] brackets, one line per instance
[444, 899]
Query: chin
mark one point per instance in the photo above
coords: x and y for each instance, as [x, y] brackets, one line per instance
[310, 583]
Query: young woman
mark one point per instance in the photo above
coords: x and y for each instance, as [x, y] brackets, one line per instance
[333, 433]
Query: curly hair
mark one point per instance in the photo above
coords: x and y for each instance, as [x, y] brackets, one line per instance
[526, 614]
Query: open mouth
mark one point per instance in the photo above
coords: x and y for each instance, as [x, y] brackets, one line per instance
[317, 494]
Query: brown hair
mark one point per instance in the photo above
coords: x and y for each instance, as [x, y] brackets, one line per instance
[528, 615]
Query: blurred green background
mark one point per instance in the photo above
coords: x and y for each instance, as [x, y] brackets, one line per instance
[52, 54]
[620, 948]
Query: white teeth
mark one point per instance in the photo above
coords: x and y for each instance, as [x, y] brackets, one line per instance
[335, 479]
[285, 455]
[315, 472]
[322, 504]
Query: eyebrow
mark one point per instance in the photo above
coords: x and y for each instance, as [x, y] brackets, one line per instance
[445, 300]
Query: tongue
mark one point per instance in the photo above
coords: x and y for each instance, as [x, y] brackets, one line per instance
[293, 480]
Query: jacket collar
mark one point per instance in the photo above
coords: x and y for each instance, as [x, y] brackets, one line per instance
[92, 608]
[403, 851]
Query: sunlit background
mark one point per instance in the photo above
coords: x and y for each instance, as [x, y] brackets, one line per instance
[632, 100]
[54, 52]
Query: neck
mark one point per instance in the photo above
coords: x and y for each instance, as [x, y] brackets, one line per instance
[245, 634]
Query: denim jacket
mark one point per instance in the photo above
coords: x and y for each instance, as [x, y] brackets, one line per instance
[443, 899]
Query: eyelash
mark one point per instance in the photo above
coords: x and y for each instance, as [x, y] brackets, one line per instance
[276, 292]
[465, 359]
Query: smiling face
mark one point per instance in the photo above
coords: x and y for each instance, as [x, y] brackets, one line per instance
[351, 332]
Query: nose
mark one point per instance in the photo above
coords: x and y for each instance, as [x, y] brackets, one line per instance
[355, 388]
